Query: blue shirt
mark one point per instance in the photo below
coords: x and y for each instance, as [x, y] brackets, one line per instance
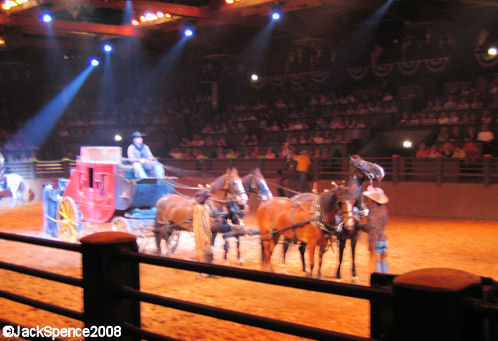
[136, 153]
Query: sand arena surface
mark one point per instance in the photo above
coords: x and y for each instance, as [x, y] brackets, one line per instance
[414, 243]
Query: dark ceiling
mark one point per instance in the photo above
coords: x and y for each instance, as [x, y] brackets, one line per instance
[303, 19]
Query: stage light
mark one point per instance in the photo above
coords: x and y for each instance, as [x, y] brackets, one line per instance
[254, 77]
[143, 18]
[118, 138]
[167, 15]
[276, 15]
[46, 18]
[94, 62]
[188, 32]
[150, 16]
[2, 41]
[492, 51]
[160, 14]
[135, 22]
[229, 2]
[407, 144]
[107, 47]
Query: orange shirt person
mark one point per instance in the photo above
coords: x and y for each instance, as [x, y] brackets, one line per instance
[303, 163]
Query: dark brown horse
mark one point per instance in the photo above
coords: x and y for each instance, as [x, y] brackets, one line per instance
[359, 172]
[305, 219]
[174, 211]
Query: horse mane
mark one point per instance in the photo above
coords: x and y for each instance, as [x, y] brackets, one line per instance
[219, 183]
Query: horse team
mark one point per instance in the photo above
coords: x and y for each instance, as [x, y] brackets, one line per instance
[312, 220]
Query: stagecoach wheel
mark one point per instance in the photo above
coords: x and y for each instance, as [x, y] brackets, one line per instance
[68, 219]
[120, 224]
[173, 236]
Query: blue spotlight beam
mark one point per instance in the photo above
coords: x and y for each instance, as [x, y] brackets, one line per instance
[39, 127]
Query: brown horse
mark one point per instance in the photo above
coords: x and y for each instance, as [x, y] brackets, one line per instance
[308, 217]
[174, 211]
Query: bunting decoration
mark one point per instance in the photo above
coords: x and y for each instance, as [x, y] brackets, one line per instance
[436, 64]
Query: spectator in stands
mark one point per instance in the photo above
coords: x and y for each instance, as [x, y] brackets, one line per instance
[253, 141]
[471, 134]
[494, 102]
[486, 118]
[458, 153]
[446, 149]
[422, 151]
[444, 135]
[443, 119]
[472, 150]
[453, 118]
[438, 106]
[476, 103]
[270, 154]
[219, 153]
[463, 104]
[404, 119]
[256, 153]
[487, 137]
[455, 134]
[414, 121]
[303, 163]
[433, 152]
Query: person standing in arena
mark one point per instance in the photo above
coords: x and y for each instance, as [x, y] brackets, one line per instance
[201, 222]
[377, 220]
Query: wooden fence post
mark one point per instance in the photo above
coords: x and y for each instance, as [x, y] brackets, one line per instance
[103, 275]
[429, 305]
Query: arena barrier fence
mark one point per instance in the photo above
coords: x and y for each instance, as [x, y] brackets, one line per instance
[429, 304]
[398, 169]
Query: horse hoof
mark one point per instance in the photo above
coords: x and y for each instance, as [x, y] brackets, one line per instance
[356, 279]
[240, 262]
[226, 262]
[319, 276]
[308, 274]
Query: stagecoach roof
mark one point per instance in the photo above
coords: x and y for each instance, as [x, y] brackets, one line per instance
[101, 154]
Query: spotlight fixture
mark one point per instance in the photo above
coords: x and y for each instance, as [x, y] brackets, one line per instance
[107, 47]
[46, 18]
[188, 32]
[118, 138]
[407, 144]
[151, 18]
[94, 62]
[254, 77]
[492, 51]
[276, 12]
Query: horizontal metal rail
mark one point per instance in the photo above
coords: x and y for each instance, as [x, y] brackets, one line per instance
[131, 330]
[343, 289]
[77, 315]
[247, 319]
[78, 282]
[41, 241]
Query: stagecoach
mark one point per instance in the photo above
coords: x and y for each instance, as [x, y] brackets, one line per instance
[103, 188]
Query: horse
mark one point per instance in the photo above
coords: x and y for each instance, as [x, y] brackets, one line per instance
[174, 211]
[18, 188]
[309, 218]
[254, 183]
[359, 171]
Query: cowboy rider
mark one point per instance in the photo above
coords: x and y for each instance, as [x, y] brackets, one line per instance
[141, 157]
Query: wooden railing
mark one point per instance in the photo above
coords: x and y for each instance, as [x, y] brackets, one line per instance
[112, 295]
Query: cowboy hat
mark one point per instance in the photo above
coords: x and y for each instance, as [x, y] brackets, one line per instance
[376, 194]
[201, 196]
[137, 134]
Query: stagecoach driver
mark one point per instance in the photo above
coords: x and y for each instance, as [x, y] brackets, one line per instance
[201, 222]
[143, 161]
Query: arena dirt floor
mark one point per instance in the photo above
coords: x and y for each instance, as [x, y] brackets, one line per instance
[414, 243]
